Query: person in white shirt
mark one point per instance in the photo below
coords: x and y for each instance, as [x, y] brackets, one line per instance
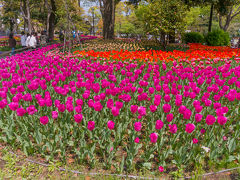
[28, 40]
[33, 41]
[23, 39]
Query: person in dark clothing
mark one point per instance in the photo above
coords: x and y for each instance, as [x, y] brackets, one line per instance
[239, 42]
[61, 36]
[12, 43]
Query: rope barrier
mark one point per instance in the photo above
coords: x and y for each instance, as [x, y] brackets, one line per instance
[119, 175]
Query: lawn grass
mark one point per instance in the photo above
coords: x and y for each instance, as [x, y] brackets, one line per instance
[7, 48]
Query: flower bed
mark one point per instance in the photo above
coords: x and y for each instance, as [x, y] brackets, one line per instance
[196, 52]
[125, 115]
[4, 40]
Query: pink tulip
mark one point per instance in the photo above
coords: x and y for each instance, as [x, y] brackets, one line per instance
[153, 108]
[21, 112]
[210, 119]
[153, 137]
[115, 111]
[137, 126]
[97, 106]
[78, 118]
[195, 141]
[91, 125]
[13, 106]
[221, 120]
[166, 108]
[172, 128]
[187, 114]
[161, 169]
[142, 111]
[202, 131]
[198, 117]
[136, 140]
[31, 110]
[54, 114]
[44, 120]
[110, 125]
[169, 117]
[189, 128]
[134, 109]
[159, 124]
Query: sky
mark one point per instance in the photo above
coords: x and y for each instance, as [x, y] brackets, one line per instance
[86, 6]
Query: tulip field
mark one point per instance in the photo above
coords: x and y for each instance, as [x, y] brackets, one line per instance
[127, 110]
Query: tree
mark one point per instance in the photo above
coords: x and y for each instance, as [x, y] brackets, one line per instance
[70, 18]
[126, 21]
[52, 17]
[162, 17]
[107, 9]
[10, 13]
[197, 19]
[232, 12]
[221, 6]
[93, 16]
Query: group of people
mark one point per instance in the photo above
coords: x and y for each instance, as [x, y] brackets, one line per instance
[33, 41]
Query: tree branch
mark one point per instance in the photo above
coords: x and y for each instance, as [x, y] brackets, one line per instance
[220, 21]
[236, 13]
[101, 6]
[23, 13]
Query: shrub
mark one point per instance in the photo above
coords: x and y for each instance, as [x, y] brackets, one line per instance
[193, 37]
[218, 38]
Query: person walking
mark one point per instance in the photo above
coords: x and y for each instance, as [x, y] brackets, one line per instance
[23, 39]
[37, 40]
[28, 40]
[12, 43]
[43, 39]
[239, 42]
[61, 36]
[33, 41]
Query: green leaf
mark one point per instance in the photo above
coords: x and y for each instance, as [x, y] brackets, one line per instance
[231, 158]
[232, 145]
[70, 143]
[147, 165]
[38, 137]
[122, 164]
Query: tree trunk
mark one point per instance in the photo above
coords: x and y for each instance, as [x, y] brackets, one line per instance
[172, 37]
[28, 17]
[227, 22]
[11, 22]
[48, 15]
[15, 27]
[79, 3]
[68, 27]
[163, 40]
[24, 26]
[210, 18]
[107, 8]
[52, 21]
[24, 17]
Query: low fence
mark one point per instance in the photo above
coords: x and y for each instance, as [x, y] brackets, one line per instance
[8, 53]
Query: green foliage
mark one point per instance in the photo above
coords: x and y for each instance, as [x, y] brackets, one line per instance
[73, 11]
[193, 37]
[162, 16]
[126, 21]
[6, 48]
[218, 38]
